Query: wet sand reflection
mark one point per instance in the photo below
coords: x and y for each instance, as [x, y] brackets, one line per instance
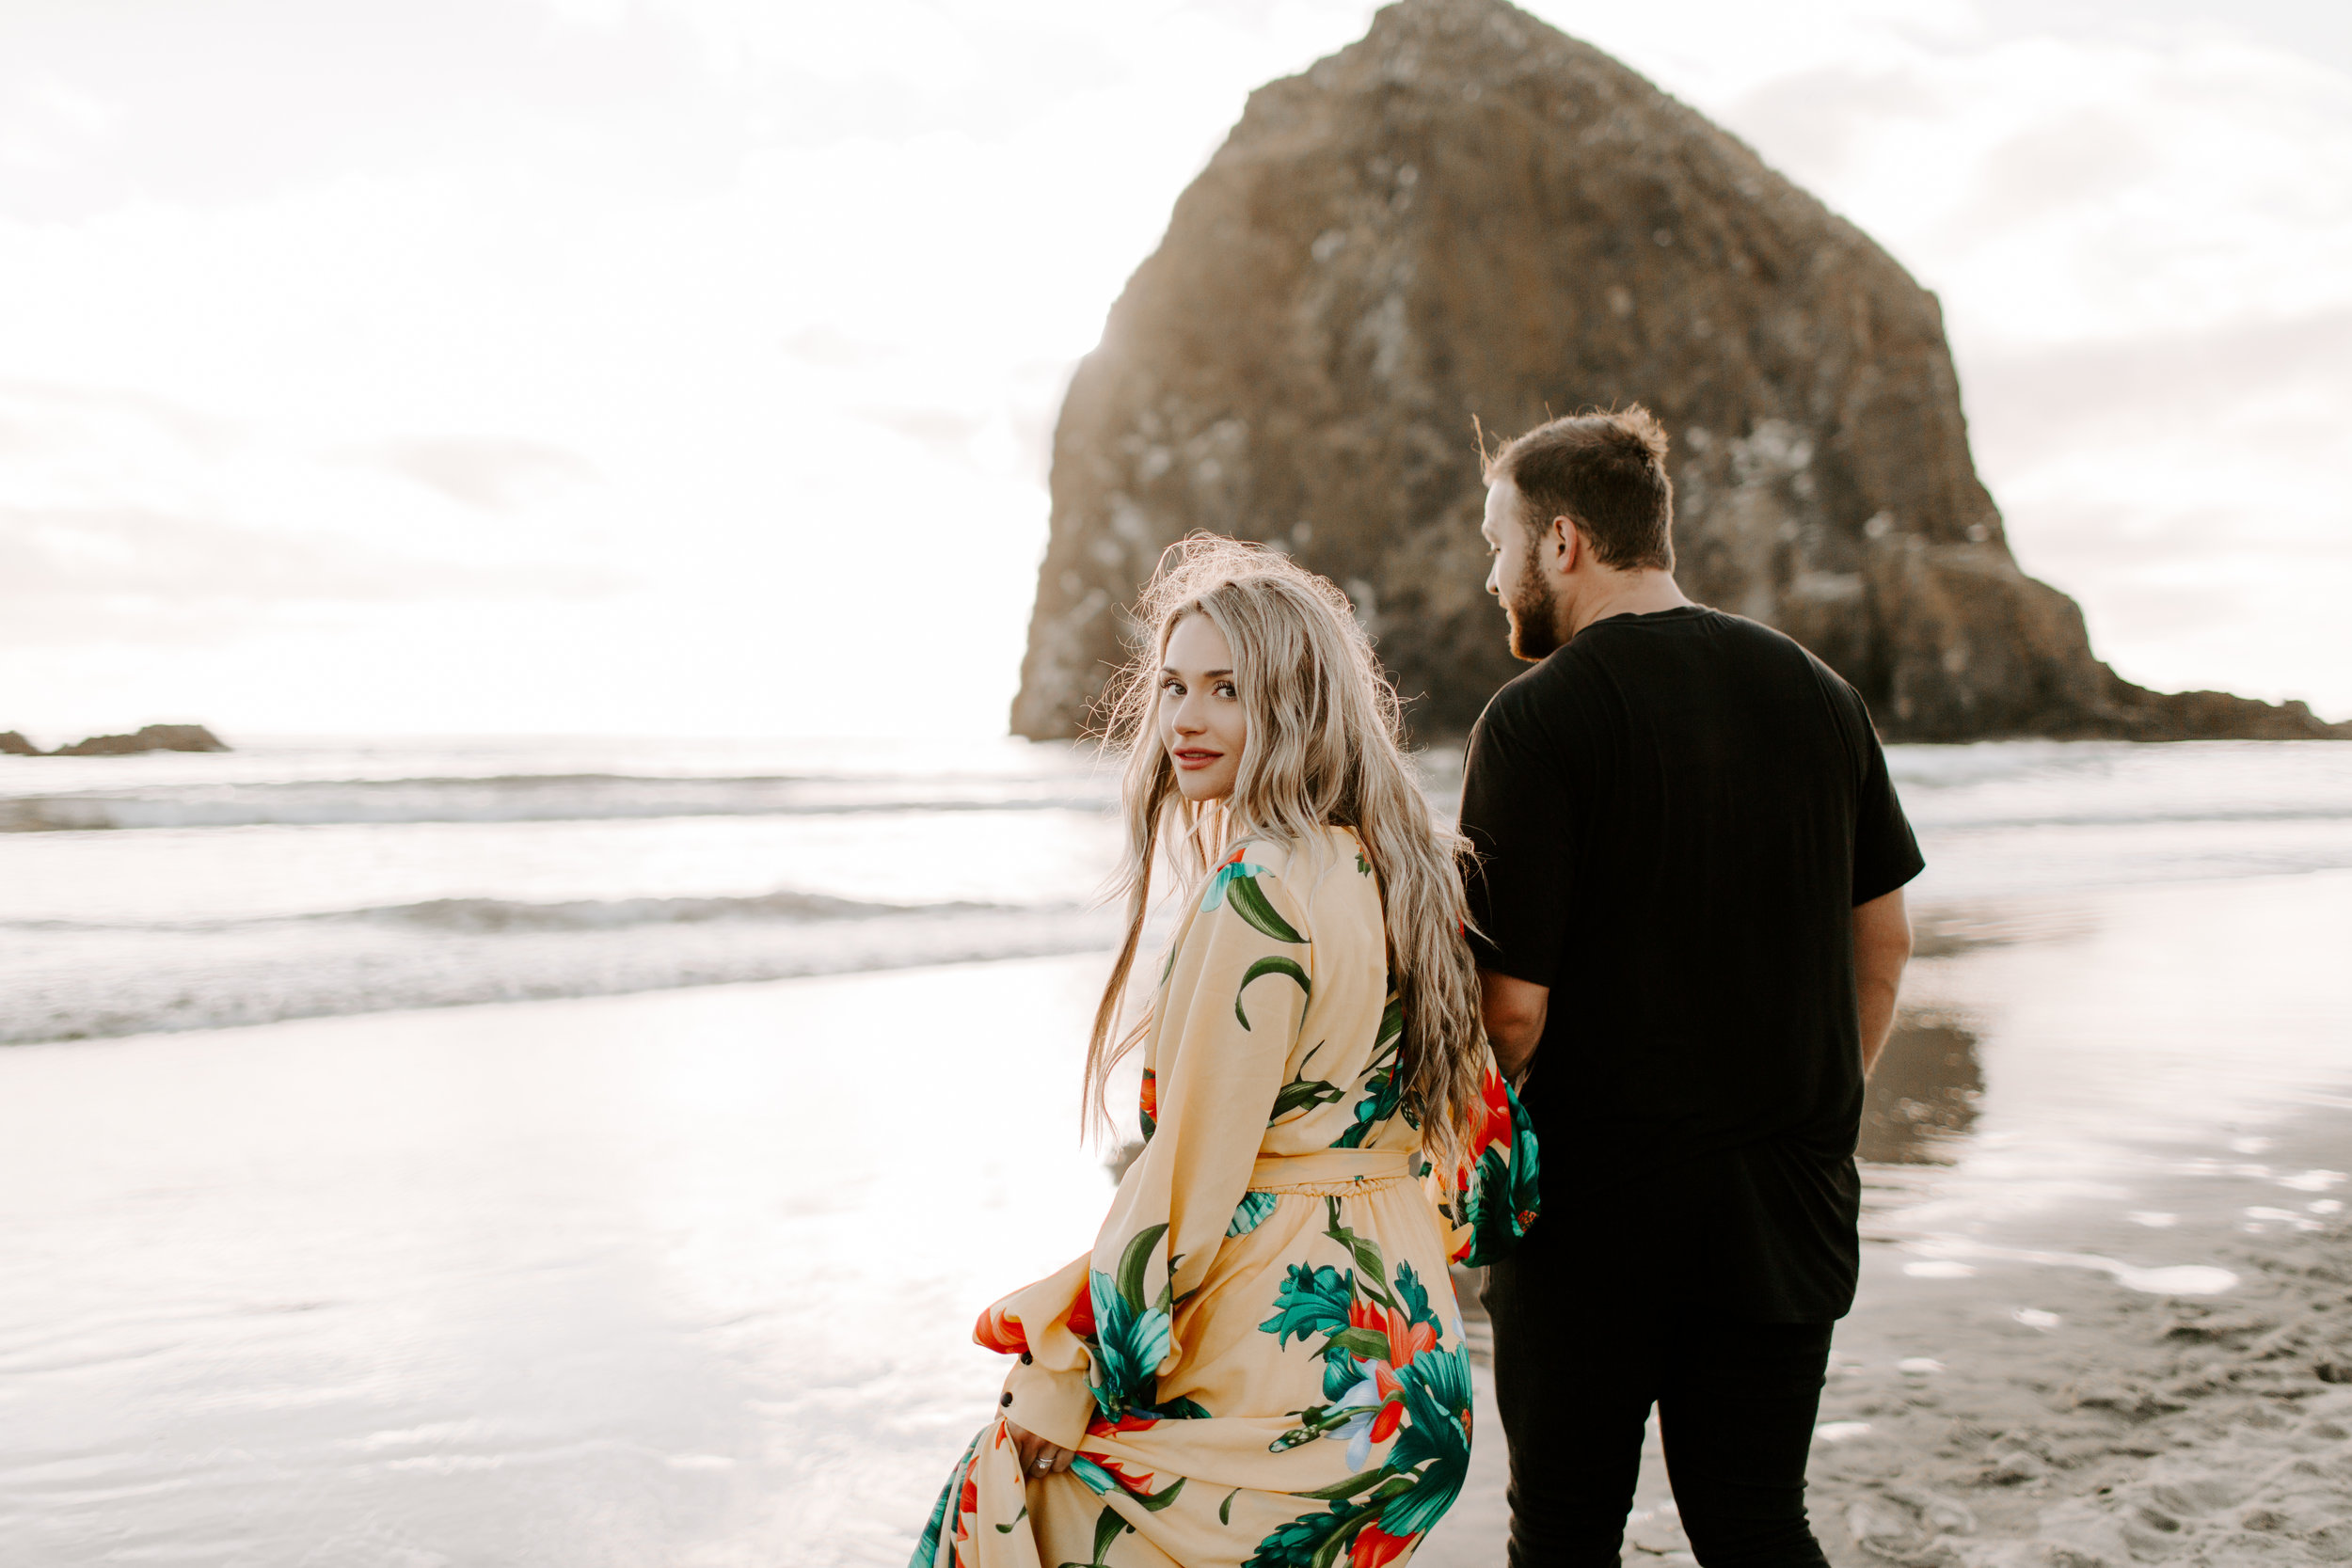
[1924, 1095]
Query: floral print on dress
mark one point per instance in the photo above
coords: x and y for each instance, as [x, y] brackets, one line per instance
[1281, 1211]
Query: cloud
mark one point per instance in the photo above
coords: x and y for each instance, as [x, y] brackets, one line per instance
[1815, 120]
[2027, 405]
[486, 472]
[47, 414]
[104, 105]
[943, 430]
[829, 346]
[2083, 158]
[125, 575]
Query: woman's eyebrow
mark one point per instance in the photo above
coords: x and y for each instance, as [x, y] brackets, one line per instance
[1205, 674]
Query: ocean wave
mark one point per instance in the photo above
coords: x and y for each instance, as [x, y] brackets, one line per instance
[491, 916]
[526, 797]
[91, 983]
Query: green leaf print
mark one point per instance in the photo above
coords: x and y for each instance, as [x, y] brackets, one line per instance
[1383, 1084]
[1250, 902]
[1414, 1296]
[1348, 1488]
[1363, 1344]
[1107, 1529]
[1433, 1443]
[1383, 1510]
[1317, 1541]
[1259, 970]
[1250, 1214]
[1367, 1253]
[1505, 1193]
[1102, 1481]
[1317, 1420]
[1160, 1499]
[1136, 1259]
[1130, 1342]
[1302, 1093]
[1313, 1300]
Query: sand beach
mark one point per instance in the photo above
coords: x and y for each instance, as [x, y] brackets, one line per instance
[686, 1276]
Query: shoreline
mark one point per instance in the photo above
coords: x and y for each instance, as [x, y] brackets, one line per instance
[2100, 1427]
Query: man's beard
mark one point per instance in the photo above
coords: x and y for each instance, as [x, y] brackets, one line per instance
[1534, 625]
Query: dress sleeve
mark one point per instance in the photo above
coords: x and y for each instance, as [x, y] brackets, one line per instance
[1099, 1334]
[1488, 1200]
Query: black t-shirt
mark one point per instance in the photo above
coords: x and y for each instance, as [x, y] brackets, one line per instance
[1673, 817]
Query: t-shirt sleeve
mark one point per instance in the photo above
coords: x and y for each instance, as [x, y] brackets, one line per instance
[1516, 814]
[1885, 852]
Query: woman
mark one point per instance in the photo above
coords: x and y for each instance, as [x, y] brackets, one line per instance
[1262, 1360]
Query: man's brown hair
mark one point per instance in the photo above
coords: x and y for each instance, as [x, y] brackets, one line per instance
[1607, 471]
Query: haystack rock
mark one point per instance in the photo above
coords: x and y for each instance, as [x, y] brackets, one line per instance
[1468, 213]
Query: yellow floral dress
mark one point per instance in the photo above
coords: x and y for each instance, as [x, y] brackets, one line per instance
[1262, 1361]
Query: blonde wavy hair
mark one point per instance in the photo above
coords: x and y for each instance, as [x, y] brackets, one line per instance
[1322, 747]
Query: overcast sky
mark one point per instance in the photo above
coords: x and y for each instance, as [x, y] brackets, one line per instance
[374, 366]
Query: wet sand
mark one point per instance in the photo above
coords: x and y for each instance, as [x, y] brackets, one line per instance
[688, 1277]
[2104, 1427]
[2106, 1312]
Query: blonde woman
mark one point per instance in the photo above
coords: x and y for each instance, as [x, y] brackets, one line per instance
[1262, 1361]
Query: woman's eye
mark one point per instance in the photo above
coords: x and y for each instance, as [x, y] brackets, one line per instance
[1225, 689]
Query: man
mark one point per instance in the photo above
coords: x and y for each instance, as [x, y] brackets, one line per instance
[1691, 929]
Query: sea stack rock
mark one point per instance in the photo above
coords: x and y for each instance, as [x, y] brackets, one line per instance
[1466, 213]
[155, 737]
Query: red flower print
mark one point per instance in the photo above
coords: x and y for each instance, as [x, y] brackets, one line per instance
[1103, 1426]
[1406, 1338]
[1082, 1314]
[1495, 1128]
[1375, 1547]
[1000, 1331]
[1151, 1095]
[968, 1504]
[1391, 1415]
[1133, 1481]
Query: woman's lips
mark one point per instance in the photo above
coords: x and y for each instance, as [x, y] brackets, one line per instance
[1196, 759]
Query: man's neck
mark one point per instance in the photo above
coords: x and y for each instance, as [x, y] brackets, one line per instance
[1640, 592]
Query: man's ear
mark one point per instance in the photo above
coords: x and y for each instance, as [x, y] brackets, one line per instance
[1565, 543]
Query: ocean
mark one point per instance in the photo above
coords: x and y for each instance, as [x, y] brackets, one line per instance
[294, 879]
[583, 1152]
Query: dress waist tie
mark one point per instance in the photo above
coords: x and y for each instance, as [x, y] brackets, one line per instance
[1326, 1172]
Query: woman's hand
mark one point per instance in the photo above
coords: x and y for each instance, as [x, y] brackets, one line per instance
[1038, 1456]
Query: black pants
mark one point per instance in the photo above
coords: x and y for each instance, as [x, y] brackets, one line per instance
[1576, 1380]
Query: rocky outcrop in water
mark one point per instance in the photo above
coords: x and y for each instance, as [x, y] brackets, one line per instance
[14, 745]
[1468, 213]
[155, 737]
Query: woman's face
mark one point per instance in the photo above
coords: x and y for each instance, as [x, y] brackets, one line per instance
[1200, 719]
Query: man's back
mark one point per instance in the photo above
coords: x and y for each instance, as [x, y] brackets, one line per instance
[1676, 814]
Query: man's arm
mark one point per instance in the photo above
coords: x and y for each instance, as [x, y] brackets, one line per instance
[1514, 1010]
[1882, 946]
